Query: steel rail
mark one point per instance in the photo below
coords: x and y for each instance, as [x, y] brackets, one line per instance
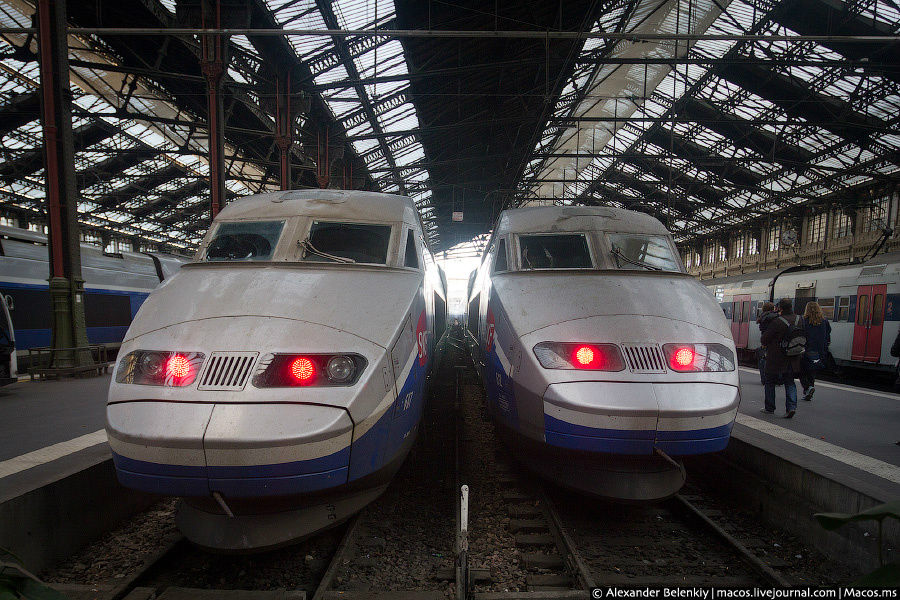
[128, 584]
[339, 554]
[573, 557]
[749, 557]
[438, 33]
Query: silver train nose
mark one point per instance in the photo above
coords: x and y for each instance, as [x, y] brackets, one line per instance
[239, 450]
[637, 418]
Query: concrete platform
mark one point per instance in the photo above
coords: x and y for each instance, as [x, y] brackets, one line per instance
[58, 488]
[861, 420]
[37, 414]
[838, 454]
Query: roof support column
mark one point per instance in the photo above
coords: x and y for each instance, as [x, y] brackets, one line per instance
[323, 164]
[284, 127]
[213, 63]
[66, 285]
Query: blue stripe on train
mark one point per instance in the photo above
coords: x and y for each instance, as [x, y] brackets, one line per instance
[37, 338]
[235, 481]
[624, 441]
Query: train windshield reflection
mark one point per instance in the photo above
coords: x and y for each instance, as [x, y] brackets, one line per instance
[244, 240]
[347, 243]
[555, 251]
[639, 251]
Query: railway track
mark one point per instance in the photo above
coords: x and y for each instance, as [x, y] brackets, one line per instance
[561, 545]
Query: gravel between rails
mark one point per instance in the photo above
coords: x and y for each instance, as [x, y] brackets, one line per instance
[491, 545]
[120, 552]
[126, 549]
[406, 538]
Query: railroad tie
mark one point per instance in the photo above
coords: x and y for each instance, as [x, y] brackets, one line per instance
[528, 526]
[523, 511]
[534, 539]
[536, 560]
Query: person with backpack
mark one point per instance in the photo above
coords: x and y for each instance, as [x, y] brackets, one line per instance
[767, 315]
[818, 338]
[785, 342]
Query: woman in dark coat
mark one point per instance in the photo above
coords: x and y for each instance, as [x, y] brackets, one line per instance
[818, 338]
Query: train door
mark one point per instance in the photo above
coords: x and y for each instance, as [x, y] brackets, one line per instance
[740, 325]
[869, 324]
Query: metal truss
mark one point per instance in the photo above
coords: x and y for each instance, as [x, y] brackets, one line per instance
[743, 130]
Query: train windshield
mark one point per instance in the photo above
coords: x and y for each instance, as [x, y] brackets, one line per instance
[244, 240]
[555, 251]
[347, 243]
[639, 251]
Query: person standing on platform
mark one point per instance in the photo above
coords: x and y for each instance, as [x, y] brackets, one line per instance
[766, 316]
[818, 338]
[895, 352]
[779, 340]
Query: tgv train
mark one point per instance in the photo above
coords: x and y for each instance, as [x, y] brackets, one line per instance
[862, 301]
[602, 359]
[115, 286]
[276, 383]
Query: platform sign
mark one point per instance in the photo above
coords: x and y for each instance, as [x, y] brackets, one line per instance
[457, 215]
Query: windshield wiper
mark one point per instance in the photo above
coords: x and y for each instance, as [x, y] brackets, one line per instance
[308, 248]
[638, 263]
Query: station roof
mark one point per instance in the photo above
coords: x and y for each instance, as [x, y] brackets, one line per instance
[707, 114]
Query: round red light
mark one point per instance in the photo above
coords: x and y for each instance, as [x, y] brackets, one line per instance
[585, 355]
[178, 366]
[684, 357]
[303, 370]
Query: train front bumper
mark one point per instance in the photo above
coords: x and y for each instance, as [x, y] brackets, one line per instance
[637, 418]
[238, 450]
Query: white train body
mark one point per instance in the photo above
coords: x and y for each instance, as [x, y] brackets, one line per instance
[286, 455]
[862, 302]
[600, 427]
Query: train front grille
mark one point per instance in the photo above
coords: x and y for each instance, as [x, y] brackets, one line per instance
[642, 358]
[227, 371]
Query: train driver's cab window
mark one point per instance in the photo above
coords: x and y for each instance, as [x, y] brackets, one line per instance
[244, 240]
[410, 258]
[554, 251]
[347, 243]
[500, 262]
[640, 251]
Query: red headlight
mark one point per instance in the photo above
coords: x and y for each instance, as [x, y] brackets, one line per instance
[178, 366]
[683, 357]
[589, 357]
[303, 370]
[692, 358]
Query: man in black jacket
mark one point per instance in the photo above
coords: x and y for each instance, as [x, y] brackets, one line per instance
[767, 316]
[780, 368]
